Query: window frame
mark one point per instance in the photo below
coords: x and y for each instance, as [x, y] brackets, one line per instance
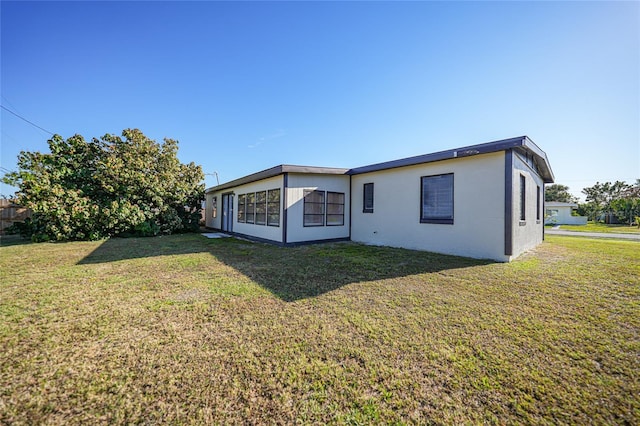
[304, 209]
[523, 198]
[538, 204]
[214, 207]
[261, 208]
[250, 213]
[241, 217]
[367, 208]
[436, 219]
[273, 208]
[327, 204]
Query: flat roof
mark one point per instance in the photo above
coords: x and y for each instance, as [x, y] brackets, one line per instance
[275, 171]
[521, 144]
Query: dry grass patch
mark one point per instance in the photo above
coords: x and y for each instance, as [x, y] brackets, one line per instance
[184, 329]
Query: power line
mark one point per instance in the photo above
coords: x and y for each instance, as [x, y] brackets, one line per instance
[24, 119]
[8, 102]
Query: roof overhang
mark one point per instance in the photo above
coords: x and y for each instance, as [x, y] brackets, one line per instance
[521, 144]
[275, 171]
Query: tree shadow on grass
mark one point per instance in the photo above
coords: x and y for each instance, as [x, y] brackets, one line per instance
[290, 273]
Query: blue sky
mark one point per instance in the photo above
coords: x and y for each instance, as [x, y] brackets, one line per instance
[247, 86]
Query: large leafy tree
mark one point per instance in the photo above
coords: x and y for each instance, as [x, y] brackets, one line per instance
[557, 192]
[108, 186]
[613, 199]
[627, 206]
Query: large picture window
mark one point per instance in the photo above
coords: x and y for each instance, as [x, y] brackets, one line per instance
[251, 207]
[313, 208]
[261, 208]
[367, 202]
[273, 207]
[436, 204]
[335, 208]
[241, 208]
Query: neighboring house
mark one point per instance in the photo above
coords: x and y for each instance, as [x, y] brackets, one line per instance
[482, 201]
[10, 213]
[558, 213]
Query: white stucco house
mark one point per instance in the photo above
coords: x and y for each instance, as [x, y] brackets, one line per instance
[482, 201]
[558, 213]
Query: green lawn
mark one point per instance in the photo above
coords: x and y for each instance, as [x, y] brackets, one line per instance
[186, 330]
[601, 227]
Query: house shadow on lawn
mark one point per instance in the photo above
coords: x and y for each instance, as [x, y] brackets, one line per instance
[13, 240]
[290, 273]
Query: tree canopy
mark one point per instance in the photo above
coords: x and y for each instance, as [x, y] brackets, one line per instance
[560, 193]
[129, 185]
[618, 199]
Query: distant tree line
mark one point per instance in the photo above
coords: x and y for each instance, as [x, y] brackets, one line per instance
[111, 186]
[607, 202]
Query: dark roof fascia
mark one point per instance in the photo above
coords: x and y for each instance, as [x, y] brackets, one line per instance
[314, 170]
[521, 142]
[275, 171]
[541, 160]
[442, 155]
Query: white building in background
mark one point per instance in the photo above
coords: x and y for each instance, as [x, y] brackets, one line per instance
[558, 213]
[481, 201]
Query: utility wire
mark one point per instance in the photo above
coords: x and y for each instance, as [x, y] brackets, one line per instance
[8, 103]
[24, 119]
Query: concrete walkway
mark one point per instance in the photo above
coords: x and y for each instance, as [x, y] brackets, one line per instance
[214, 235]
[554, 231]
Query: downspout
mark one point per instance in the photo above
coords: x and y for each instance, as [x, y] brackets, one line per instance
[285, 185]
[350, 203]
[544, 209]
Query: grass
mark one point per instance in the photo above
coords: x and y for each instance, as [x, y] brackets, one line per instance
[602, 227]
[187, 330]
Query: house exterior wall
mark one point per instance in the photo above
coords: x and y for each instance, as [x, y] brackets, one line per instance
[483, 201]
[479, 192]
[209, 220]
[296, 184]
[576, 220]
[272, 233]
[529, 232]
